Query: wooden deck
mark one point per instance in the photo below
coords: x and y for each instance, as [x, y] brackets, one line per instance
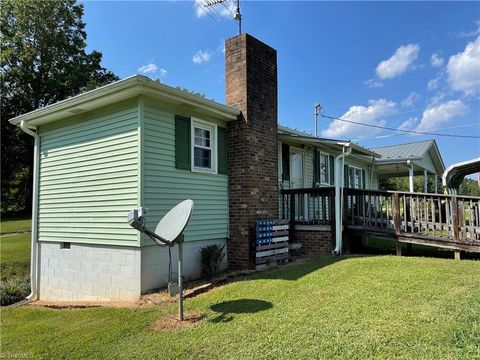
[446, 221]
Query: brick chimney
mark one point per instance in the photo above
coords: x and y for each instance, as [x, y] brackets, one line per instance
[251, 87]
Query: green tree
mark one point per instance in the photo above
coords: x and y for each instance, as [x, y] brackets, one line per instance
[469, 187]
[43, 60]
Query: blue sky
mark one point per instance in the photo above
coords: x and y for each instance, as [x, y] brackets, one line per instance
[397, 64]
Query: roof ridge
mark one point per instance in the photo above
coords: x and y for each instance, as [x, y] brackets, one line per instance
[409, 143]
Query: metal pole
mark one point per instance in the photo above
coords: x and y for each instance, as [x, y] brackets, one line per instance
[180, 276]
[317, 106]
[425, 181]
[239, 18]
[410, 175]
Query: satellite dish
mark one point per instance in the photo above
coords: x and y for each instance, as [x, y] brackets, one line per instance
[171, 226]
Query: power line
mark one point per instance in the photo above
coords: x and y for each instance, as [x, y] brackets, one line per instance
[401, 130]
[205, 11]
[437, 129]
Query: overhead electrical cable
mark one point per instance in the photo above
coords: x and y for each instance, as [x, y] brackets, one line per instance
[401, 130]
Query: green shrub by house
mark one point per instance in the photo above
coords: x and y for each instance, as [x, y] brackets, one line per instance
[212, 257]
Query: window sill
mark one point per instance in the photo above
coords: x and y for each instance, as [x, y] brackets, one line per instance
[204, 171]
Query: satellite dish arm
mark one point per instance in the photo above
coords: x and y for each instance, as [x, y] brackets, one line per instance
[158, 239]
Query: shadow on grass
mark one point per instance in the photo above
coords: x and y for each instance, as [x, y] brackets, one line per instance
[226, 309]
[294, 272]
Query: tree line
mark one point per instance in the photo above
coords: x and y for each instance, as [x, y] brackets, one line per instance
[43, 60]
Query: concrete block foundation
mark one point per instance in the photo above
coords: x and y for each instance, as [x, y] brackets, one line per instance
[83, 272]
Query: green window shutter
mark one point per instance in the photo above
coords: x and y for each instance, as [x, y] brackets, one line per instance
[285, 162]
[345, 176]
[182, 143]
[222, 150]
[332, 169]
[363, 179]
[316, 167]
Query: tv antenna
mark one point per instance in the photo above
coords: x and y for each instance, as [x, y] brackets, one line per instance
[237, 16]
[168, 232]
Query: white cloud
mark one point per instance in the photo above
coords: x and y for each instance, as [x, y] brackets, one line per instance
[152, 70]
[437, 98]
[201, 57]
[441, 114]
[148, 69]
[436, 60]
[162, 73]
[399, 62]
[408, 124]
[371, 114]
[410, 100]
[472, 33]
[372, 83]
[433, 84]
[464, 69]
[226, 9]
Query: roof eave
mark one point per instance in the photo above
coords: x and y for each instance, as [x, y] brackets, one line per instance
[138, 85]
[313, 139]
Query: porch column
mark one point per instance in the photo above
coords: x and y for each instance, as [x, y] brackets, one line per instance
[410, 176]
[435, 183]
[425, 181]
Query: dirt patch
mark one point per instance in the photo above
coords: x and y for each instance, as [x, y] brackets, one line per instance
[173, 323]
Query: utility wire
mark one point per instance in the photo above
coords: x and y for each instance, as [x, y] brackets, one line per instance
[205, 11]
[390, 135]
[401, 130]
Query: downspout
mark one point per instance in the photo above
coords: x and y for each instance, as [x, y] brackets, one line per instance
[34, 247]
[346, 150]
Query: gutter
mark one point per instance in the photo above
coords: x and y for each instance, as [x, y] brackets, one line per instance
[346, 150]
[34, 247]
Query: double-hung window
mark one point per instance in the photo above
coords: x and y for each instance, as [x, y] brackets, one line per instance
[355, 177]
[204, 147]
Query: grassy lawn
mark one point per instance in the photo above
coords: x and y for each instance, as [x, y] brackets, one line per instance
[357, 307]
[12, 226]
[14, 256]
[14, 261]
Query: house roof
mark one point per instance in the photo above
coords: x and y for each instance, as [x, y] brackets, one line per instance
[122, 90]
[307, 138]
[414, 151]
[454, 175]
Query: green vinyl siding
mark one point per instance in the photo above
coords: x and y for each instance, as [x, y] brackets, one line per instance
[165, 185]
[426, 163]
[349, 160]
[88, 178]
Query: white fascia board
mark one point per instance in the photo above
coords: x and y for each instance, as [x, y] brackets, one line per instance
[132, 86]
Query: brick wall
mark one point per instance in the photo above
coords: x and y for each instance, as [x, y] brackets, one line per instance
[315, 243]
[251, 87]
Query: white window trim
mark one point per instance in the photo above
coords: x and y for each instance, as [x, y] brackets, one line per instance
[328, 169]
[362, 186]
[213, 128]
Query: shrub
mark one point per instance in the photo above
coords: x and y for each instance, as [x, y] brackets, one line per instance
[212, 257]
[14, 290]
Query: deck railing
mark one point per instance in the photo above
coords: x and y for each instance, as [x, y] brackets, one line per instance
[449, 218]
[439, 216]
[309, 206]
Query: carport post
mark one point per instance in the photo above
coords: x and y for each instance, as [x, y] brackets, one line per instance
[410, 175]
[425, 181]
